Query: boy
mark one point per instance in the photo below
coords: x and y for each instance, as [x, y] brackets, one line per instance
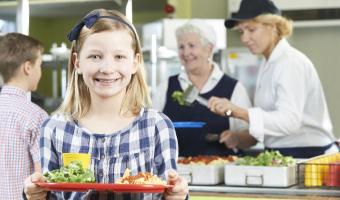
[20, 119]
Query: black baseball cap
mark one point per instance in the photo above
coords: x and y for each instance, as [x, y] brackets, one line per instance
[250, 9]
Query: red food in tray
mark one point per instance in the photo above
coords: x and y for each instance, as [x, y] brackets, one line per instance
[207, 160]
[332, 178]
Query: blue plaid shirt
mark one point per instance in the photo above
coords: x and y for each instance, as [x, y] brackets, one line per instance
[148, 144]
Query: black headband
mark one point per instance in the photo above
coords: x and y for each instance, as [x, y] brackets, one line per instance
[89, 21]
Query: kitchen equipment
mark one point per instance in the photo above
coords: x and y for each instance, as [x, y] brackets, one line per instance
[201, 174]
[212, 137]
[259, 176]
[191, 94]
[192, 169]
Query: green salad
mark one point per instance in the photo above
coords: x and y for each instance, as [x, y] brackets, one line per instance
[73, 172]
[179, 97]
[267, 158]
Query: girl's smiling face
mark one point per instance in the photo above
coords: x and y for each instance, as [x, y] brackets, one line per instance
[107, 62]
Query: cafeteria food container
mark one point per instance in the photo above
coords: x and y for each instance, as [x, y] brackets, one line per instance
[202, 174]
[259, 176]
[203, 170]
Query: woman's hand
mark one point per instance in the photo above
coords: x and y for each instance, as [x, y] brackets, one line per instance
[32, 190]
[220, 106]
[230, 139]
[180, 189]
[224, 107]
[240, 139]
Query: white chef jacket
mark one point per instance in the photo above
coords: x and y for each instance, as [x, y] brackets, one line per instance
[290, 109]
[239, 96]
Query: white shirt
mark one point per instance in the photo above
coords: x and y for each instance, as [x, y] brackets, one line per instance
[239, 96]
[290, 109]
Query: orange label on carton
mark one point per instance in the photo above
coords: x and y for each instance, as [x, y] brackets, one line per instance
[84, 158]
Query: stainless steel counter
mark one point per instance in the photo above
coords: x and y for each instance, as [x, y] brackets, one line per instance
[293, 190]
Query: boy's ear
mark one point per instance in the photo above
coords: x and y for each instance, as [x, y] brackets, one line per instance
[75, 62]
[27, 67]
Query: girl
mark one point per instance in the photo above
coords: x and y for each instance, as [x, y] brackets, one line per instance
[104, 114]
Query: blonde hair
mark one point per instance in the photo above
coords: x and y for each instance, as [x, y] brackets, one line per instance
[77, 99]
[284, 26]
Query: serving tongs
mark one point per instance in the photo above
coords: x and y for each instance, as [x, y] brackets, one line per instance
[191, 94]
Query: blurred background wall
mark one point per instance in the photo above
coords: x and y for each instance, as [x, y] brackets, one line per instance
[320, 43]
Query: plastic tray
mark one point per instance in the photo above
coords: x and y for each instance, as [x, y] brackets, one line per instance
[137, 188]
[189, 124]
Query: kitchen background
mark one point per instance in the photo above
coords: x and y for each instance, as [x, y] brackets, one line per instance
[316, 33]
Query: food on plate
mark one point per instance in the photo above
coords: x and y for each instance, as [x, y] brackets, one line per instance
[267, 158]
[179, 97]
[140, 178]
[207, 160]
[73, 172]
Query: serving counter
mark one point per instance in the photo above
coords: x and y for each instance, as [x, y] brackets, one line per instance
[294, 192]
[317, 178]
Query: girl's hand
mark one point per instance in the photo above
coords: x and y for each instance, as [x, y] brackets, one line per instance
[32, 190]
[180, 189]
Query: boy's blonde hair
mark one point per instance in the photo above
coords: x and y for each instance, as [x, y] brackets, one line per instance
[283, 25]
[77, 99]
[16, 49]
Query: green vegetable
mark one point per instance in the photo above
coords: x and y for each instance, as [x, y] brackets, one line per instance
[178, 96]
[267, 158]
[74, 172]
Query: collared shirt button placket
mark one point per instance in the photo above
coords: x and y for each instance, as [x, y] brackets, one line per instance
[102, 155]
[100, 173]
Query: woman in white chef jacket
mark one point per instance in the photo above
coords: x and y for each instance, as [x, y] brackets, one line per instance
[290, 113]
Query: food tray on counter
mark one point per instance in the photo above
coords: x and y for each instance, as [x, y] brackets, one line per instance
[201, 171]
[259, 176]
[202, 174]
[267, 169]
[320, 172]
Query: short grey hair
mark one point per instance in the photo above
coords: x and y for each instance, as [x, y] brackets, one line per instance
[205, 32]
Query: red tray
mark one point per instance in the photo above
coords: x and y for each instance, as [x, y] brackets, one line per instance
[129, 188]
